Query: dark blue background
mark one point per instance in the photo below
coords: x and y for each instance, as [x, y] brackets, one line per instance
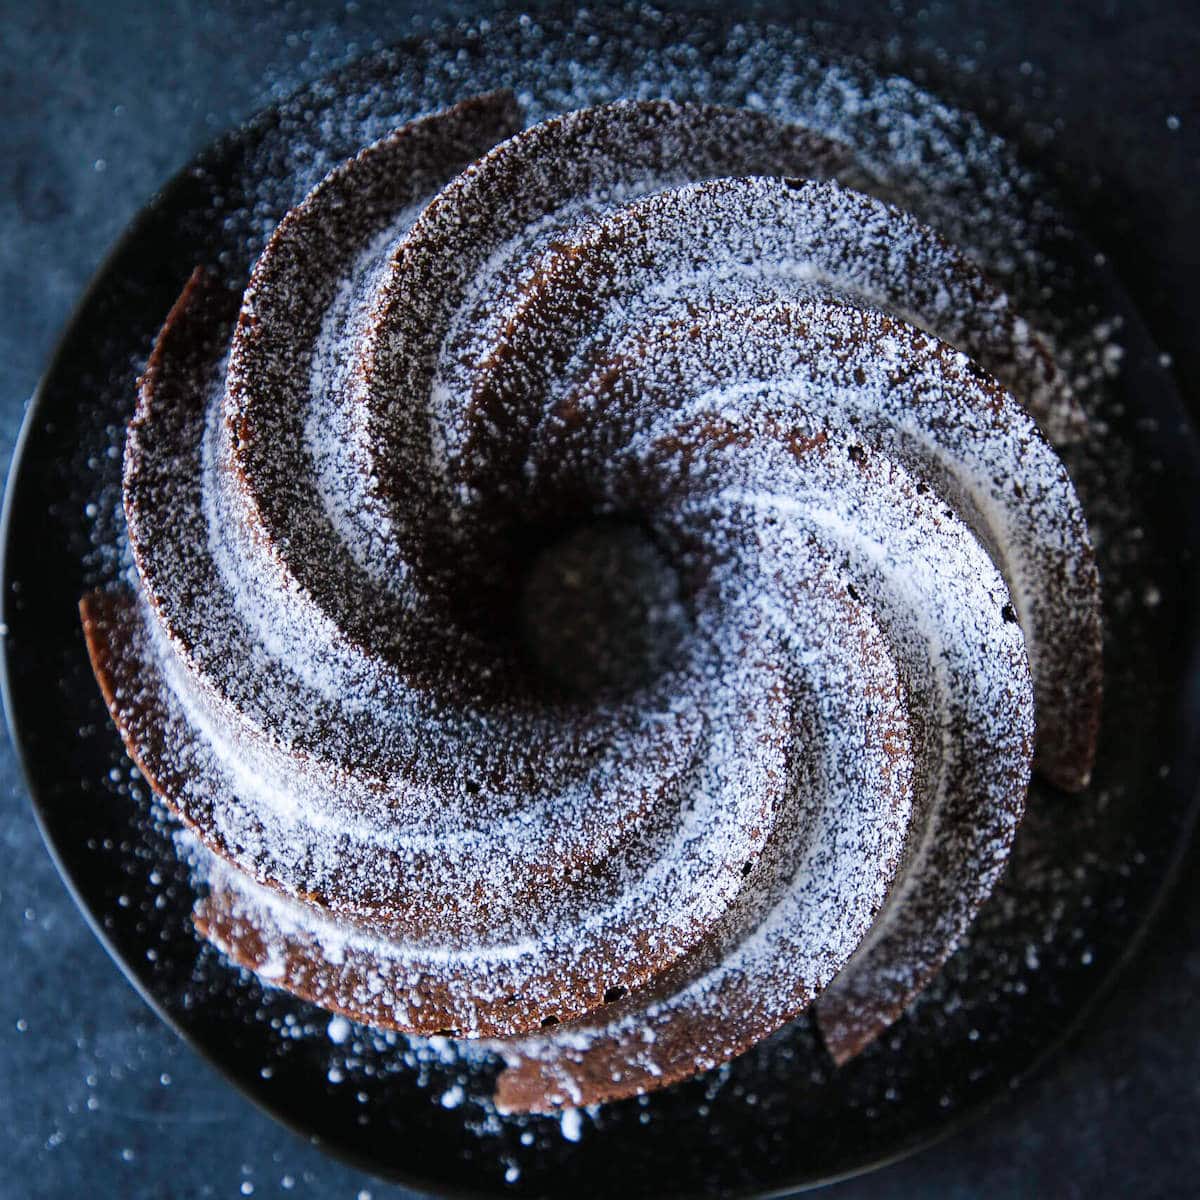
[99, 104]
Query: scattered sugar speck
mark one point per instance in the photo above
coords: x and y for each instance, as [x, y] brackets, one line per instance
[571, 1123]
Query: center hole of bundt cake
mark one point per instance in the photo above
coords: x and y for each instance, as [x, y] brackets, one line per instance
[600, 609]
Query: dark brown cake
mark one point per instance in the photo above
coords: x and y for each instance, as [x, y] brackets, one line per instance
[468, 345]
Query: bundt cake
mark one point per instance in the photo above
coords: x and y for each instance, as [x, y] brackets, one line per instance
[601, 589]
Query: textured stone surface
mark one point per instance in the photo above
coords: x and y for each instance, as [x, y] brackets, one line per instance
[99, 104]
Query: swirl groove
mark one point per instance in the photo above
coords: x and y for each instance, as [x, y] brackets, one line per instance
[820, 424]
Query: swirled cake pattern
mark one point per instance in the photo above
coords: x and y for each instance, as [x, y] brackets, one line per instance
[479, 355]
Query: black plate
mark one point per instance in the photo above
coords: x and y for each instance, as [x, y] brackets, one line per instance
[1086, 874]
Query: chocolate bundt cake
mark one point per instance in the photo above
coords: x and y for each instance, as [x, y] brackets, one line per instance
[602, 589]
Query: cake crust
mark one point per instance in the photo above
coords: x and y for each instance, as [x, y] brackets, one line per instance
[472, 337]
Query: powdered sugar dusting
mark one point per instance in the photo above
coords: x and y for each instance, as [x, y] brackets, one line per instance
[491, 859]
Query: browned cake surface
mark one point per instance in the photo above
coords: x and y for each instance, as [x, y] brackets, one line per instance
[479, 383]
